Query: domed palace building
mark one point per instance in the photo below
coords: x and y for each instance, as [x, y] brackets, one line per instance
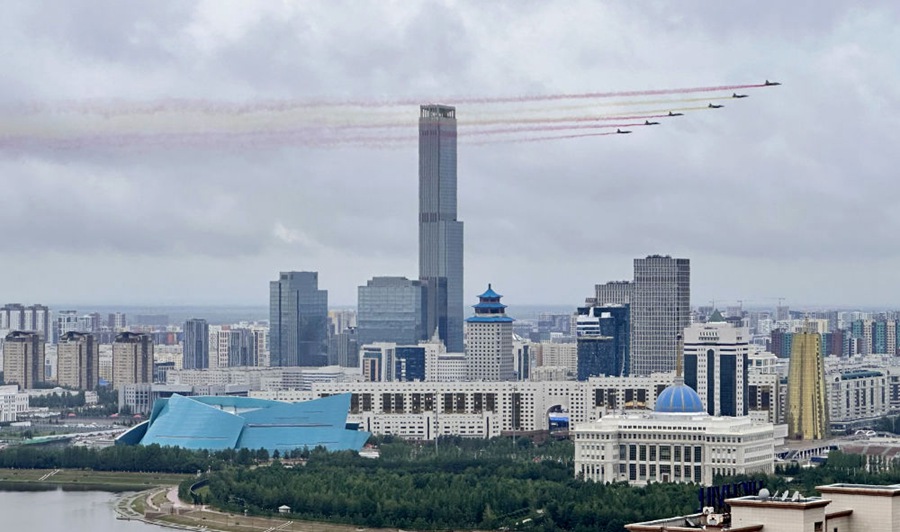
[678, 441]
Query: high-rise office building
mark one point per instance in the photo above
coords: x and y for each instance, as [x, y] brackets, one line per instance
[409, 363]
[23, 359]
[237, 347]
[440, 233]
[489, 350]
[717, 365]
[807, 404]
[391, 309]
[196, 344]
[78, 361]
[298, 320]
[132, 359]
[603, 337]
[660, 310]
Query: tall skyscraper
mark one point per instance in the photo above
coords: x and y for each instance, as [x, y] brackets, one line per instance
[132, 359]
[78, 361]
[391, 309]
[807, 404]
[298, 320]
[440, 233]
[717, 365]
[23, 359]
[196, 344]
[660, 310]
[489, 353]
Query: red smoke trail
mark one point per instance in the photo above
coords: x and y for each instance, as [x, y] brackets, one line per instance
[548, 128]
[180, 105]
[539, 139]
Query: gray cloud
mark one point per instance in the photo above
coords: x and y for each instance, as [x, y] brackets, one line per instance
[793, 184]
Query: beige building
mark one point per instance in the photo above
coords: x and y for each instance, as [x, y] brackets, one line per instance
[23, 359]
[841, 508]
[78, 361]
[132, 356]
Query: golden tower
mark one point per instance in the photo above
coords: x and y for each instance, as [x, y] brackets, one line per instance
[807, 408]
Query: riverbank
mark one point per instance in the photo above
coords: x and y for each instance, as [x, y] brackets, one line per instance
[160, 506]
[82, 480]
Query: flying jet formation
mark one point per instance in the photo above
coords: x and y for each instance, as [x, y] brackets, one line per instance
[649, 123]
[675, 114]
[621, 132]
[714, 106]
[771, 83]
[736, 95]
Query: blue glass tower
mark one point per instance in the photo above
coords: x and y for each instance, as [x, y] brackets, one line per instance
[298, 320]
[440, 233]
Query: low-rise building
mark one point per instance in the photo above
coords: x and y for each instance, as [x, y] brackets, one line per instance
[12, 403]
[841, 508]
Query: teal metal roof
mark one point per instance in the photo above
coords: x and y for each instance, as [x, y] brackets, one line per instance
[226, 422]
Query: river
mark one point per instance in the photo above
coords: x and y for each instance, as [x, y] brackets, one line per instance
[64, 511]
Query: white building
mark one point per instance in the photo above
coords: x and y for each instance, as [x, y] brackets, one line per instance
[489, 349]
[716, 363]
[12, 403]
[677, 442]
[856, 399]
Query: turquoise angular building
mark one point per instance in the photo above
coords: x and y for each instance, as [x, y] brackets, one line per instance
[222, 422]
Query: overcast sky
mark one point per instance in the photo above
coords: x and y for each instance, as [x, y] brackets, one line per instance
[790, 193]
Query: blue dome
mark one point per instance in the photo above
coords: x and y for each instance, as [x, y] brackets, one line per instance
[679, 398]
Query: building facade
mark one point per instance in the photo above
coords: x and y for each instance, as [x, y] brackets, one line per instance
[132, 359]
[196, 344]
[440, 232]
[489, 351]
[678, 442]
[298, 320]
[78, 361]
[660, 310]
[391, 309]
[603, 335]
[807, 414]
[23, 359]
[717, 364]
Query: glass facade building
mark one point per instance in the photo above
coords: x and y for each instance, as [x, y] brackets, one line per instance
[409, 363]
[196, 344]
[603, 335]
[298, 320]
[440, 233]
[391, 309]
[660, 310]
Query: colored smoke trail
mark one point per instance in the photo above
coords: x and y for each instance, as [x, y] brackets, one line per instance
[183, 123]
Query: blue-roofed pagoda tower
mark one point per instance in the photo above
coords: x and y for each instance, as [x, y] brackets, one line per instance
[489, 348]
